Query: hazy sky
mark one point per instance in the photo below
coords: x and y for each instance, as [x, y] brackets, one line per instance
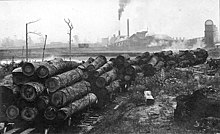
[94, 19]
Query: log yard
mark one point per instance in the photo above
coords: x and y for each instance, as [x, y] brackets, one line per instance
[109, 67]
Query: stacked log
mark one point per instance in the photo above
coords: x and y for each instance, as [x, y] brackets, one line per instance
[97, 63]
[65, 79]
[52, 68]
[105, 68]
[85, 65]
[29, 91]
[29, 68]
[74, 107]
[70, 93]
[106, 78]
[58, 89]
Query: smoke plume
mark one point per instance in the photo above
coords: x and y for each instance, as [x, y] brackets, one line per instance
[122, 5]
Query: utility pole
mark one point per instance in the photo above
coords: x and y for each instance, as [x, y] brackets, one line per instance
[27, 36]
[70, 25]
[45, 42]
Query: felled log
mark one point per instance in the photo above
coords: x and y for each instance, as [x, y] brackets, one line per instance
[159, 65]
[70, 93]
[52, 68]
[135, 61]
[86, 64]
[50, 113]
[12, 112]
[121, 59]
[29, 113]
[130, 70]
[76, 106]
[154, 60]
[105, 68]
[106, 78]
[43, 102]
[145, 55]
[7, 98]
[62, 80]
[148, 70]
[29, 68]
[19, 78]
[98, 62]
[113, 86]
[30, 90]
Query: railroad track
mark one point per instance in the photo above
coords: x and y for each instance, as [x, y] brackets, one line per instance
[83, 126]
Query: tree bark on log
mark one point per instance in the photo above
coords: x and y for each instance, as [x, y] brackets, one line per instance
[105, 68]
[106, 78]
[70, 93]
[62, 80]
[52, 68]
[76, 106]
[97, 63]
[50, 113]
[85, 65]
[42, 102]
[30, 90]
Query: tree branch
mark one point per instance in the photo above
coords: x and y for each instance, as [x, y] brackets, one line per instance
[33, 21]
[39, 34]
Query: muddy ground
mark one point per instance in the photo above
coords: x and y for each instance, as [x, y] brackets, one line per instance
[136, 115]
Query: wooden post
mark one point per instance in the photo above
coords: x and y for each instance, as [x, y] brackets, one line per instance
[26, 42]
[45, 42]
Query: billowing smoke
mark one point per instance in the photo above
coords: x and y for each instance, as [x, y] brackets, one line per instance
[122, 5]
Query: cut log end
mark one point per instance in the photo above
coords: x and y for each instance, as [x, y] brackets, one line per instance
[50, 113]
[57, 99]
[96, 73]
[28, 92]
[52, 84]
[91, 68]
[28, 69]
[127, 78]
[100, 82]
[42, 72]
[12, 112]
[29, 114]
[62, 115]
[42, 102]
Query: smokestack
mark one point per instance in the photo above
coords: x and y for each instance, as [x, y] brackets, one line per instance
[119, 33]
[128, 27]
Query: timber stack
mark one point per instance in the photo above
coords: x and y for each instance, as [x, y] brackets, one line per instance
[55, 90]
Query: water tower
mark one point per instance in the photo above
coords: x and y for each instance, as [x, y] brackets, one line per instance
[210, 33]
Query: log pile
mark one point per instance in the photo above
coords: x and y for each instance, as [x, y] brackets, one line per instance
[55, 90]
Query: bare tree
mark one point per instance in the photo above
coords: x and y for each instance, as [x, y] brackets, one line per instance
[70, 25]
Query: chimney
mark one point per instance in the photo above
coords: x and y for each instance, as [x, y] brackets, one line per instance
[128, 27]
[119, 32]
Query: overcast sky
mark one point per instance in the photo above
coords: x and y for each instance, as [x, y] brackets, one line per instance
[95, 19]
